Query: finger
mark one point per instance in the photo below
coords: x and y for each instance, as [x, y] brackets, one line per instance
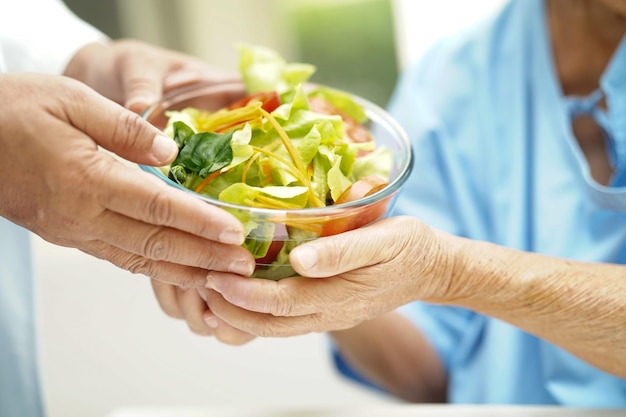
[167, 298]
[118, 129]
[229, 335]
[258, 324]
[179, 275]
[224, 332]
[155, 202]
[142, 82]
[202, 73]
[287, 297]
[172, 245]
[344, 252]
[193, 307]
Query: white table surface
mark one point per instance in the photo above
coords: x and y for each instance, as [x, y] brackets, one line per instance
[376, 411]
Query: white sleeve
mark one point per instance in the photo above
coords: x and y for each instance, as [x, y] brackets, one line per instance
[41, 36]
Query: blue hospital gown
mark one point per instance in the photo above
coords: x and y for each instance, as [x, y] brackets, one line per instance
[496, 160]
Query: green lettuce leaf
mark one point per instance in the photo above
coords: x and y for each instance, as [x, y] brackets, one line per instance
[337, 181]
[259, 238]
[188, 116]
[379, 162]
[342, 101]
[240, 145]
[280, 267]
[321, 166]
[263, 69]
[282, 197]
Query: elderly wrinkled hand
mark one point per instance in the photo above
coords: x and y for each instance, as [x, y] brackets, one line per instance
[136, 74]
[349, 278]
[190, 305]
[60, 185]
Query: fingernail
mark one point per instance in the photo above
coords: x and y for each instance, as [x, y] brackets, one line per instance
[210, 320]
[164, 148]
[139, 103]
[232, 237]
[244, 268]
[306, 256]
[210, 283]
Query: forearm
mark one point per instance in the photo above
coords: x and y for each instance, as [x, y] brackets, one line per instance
[390, 352]
[578, 306]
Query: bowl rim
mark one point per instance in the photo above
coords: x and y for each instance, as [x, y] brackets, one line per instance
[194, 90]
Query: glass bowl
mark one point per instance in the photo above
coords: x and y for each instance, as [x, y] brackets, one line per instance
[316, 222]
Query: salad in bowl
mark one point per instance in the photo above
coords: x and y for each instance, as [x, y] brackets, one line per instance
[292, 160]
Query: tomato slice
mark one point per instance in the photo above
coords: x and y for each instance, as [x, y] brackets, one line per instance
[272, 253]
[269, 99]
[363, 215]
[362, 188]
[355, 131]
[280, 234]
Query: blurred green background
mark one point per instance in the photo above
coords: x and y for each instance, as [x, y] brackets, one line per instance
[351, 42]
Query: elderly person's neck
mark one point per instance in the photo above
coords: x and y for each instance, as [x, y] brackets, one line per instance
[585, 34]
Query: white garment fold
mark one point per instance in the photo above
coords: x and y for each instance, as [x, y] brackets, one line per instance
[35, 36]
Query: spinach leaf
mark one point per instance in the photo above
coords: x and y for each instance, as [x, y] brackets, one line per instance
[202, 153]
[181, 133]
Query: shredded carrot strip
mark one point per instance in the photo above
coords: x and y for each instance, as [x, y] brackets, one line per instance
[248, 165]
[253, 158]
[289, 165]
[275, 203]
[208, 179]
[293, 152]
[295, 156]
[226, 118]
[314, 200]
[269, 204]
[315, 228]
[227, 128]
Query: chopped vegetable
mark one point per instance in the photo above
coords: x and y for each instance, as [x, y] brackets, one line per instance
[282, 146]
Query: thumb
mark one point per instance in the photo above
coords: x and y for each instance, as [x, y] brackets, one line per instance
[121, 131]
[344, 252]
